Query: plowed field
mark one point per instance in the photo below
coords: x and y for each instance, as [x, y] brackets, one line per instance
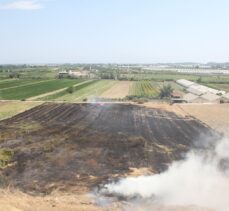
[75, 147]
[119, 90]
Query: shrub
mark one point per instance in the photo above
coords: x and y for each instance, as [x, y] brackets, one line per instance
[166, 91]
[70, 89]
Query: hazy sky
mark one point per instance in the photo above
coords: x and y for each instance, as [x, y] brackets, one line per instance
[124, 31]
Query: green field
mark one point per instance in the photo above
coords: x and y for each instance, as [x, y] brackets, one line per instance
[30, 72]
[31, 90]
[10, 83]
[60, 94]
[173, 76]
[220, 86]
[151, 89]
[88, 91]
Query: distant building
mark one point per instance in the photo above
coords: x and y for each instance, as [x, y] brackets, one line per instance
[191, 98]
[205, 98]
[79, 74]
[185, 83]
[194, 90]
[211, 98]
[198, 89]
[74, 74]
[63, 74]
[225, 98]
[176, 95]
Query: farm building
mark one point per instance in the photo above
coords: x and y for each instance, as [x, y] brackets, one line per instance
[176, 95]
[185, 83]
[198, 89]
[194, 90]
[212, 98]
[205, 98]
[225, 98]
[79, 74]
[74, 74]
[191, 98]
[63, 74]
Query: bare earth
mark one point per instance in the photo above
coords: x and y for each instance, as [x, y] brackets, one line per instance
[18, 201]
[119, 90]
[214, 115]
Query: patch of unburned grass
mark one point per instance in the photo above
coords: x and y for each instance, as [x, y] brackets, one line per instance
[29, 126]
[5, 157]
[9, 109]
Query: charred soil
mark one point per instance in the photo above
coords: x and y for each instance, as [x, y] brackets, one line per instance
[75, 147]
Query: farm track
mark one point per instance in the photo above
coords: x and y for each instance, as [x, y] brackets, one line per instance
[78, 146]
[56, 91]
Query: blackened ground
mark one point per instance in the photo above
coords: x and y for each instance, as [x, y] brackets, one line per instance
[78, 146]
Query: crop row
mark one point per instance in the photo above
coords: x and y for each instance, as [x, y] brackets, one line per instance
[65, 92]
[91, 90]
[5, 84]
[31, 90]
[144, 89]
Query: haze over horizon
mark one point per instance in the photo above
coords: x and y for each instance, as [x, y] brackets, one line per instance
[114, 31]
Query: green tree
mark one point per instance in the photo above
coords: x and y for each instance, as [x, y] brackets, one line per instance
[70, 89]
[166, 91]
[199, 80]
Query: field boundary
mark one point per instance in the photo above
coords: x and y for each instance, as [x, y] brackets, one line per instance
[88, 95]
[56, 91]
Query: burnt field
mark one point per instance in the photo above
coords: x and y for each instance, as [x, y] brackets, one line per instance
[75, 147]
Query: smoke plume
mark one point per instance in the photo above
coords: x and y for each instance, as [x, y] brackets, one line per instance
[201, 180]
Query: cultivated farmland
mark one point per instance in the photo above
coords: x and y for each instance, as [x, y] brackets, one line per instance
[6, 84]
[146, 89]
[75, 147]
[36, 88]
[118, 91]
[88, 91]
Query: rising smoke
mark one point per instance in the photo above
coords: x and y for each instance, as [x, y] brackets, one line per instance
[202, 180]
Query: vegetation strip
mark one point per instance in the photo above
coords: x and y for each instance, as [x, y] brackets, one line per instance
[95, 91]
[46, 95]
[28, 91]
[23, 82]
[64, 92]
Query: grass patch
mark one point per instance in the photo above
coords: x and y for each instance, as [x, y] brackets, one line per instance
[93, 90]
[161, 76]
[4, 84]
[65, 92]
[9, 109]
[5, 157]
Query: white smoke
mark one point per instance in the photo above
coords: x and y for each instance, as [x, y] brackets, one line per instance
[202, 180]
